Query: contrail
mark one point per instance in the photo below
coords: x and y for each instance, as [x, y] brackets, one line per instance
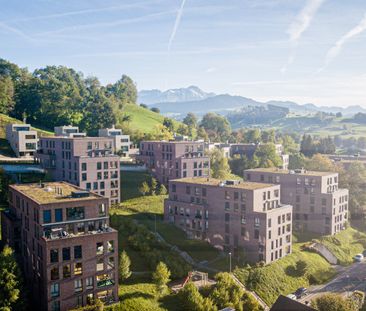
[337, 47]
[176, 25]
[15, 31]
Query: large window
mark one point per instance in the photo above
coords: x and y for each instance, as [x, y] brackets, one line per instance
[46, 216]
[74, 213]
[78, 285]
[66, 254]
[58, 215]
[102, 209]
[54, 255]
[89, 282]
[55, 290]
[78, 268]
[78, 253]
[55, 305]
[100, 264]
[54, 273]
[66, 271]
[105, 280]
[111, 246]
[100, 248]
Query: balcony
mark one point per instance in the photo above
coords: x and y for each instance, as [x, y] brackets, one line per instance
[61, 233]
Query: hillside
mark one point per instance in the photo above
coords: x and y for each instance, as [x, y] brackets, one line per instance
[143, 119]
[5, 149]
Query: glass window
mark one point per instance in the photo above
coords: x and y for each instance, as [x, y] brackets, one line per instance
[100, 264]
[58, 214]
[46, 216]
[54, 273]
[102, 209]
[99, 165]
[110, 262]
[78, 285]
[54, 255]
[111, 246]
[89, 282]
[55, 305]
[74, 213]
[66, 253]
[66, 271]
[83, 166]
[55, 290]
[78, 253]
[78, 268]
[100, 248]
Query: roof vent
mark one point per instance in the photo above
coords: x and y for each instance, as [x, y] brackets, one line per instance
[232, 182]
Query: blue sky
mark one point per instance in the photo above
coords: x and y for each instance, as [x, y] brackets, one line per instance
[301, 50]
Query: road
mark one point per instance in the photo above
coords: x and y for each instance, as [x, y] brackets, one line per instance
[348, 280]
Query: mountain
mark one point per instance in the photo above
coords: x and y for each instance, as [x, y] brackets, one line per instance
[191, 93]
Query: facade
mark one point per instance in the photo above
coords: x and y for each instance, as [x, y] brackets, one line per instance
[87, 162]
[121, 142]
[62, 238]
[174, 159]
[69, 131]
[319, 205]
[225, 148]
[244, 218]
[248, 150]
[22, 139]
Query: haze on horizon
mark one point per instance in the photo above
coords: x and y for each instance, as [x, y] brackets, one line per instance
[303, 50]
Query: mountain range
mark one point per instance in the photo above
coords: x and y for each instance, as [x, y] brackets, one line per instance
[177, 102]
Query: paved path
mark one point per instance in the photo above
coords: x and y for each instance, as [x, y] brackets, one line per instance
[349, 279]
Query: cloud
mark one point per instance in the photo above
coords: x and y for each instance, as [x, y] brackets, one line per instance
[337, 47]
[176, 25]
[211, 69]
[16, 31]
[303, 19]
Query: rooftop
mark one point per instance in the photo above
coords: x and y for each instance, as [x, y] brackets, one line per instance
[173, 141]
[292, 172]
[216, 182]
[54, 192]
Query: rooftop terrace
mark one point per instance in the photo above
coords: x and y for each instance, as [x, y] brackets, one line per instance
[290, 172]
[240, 184]
[54, 192]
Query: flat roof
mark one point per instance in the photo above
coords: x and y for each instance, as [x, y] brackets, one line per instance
[52, 192]
[216, 182]
[290, 172]
[174, 141]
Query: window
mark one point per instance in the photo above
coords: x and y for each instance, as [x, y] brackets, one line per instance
[110, 262]
[83, 166]
[74, 213]
[100, 248]
[54, 255]
[78, 268]
[55, 305]
[54, 273]
[78, 253]
[102, 209]
[66, 271]
[99, 165]
[84, 177]
[227, 217]
[55, 290]
[78, 285]
[66, 253]
[256, 234]
[100, 264]
[89, 283]
[47, 216]
[58, 215]
[111, 246]
[227, 206]
[79, 301]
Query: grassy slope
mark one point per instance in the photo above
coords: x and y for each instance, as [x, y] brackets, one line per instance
[277, 278]
[143, 119]
[346, 244]
[4, 145]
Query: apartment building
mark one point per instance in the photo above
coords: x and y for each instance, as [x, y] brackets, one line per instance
[121, 143]
[62, 238]
[245, 218]
[174, 159]
[225, 148]
[68, 130]
[248, 150]
[319, 205]
[87, 162]
[22, 139]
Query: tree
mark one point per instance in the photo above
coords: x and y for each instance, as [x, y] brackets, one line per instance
[332, 302]
[319, 162]
[192, 300]
[155, 109]
[253, 136]
[162, 190]
[296, 161]
[201, 134]
[124, 266]
[219, 164]
[217, 127]
[301, 267]
[6, 95]
[190, 120]
[153, 185]
[240, 163]
[169, 124]
[267, 156]
[10, 280]
[124, 90]
[144, 188]
[307, 145]
[161, 276]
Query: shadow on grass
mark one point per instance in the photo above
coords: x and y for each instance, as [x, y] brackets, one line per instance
[136, 295]
[170, 302]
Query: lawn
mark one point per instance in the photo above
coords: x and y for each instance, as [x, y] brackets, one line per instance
[345, 244]
[130, 182]
[278, 278]
[144, 119]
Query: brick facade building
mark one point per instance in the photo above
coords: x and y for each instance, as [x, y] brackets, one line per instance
[61, 236]
[240, 217]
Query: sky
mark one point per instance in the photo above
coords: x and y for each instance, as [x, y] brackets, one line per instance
[308, 51]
